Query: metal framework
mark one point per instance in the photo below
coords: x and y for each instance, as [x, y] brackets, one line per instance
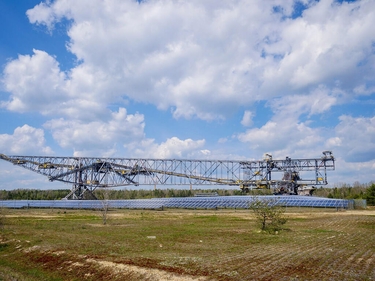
[88, 173]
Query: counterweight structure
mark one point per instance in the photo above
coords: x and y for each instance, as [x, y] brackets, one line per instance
[89, 173]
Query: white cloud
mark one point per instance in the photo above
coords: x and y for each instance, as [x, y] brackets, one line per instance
[24, 140]
[41, 14]
[207, 59]
[171, 148]
[317, 101]
[349, 172]
[285, 133]
[105, 137]
[355, 139]
[364, 90]
[35, 83]
[206, 152]
[247, 119]
[334, 142]
[283, 138]
[175, 147]
[328, 44]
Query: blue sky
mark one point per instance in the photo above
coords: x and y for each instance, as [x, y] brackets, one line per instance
[188, 79]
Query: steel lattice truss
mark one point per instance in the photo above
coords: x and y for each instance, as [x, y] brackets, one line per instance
[89, 173]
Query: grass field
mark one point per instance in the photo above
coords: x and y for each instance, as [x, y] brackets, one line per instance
[317, 244]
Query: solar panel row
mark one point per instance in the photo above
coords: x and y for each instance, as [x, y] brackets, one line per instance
[186, 202]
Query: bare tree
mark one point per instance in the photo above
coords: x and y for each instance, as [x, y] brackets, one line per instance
[104, 199]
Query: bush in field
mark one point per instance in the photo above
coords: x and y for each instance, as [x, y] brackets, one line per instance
[269, 215]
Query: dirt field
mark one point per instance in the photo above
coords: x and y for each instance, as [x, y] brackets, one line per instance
[317, 244]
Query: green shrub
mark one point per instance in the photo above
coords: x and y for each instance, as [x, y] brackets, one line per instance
[269, 214]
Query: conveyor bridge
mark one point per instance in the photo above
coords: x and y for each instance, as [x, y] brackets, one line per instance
[88, 173]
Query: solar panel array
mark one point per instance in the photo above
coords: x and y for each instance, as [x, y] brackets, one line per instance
[215, 202]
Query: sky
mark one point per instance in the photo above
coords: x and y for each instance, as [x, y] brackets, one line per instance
[189, 80]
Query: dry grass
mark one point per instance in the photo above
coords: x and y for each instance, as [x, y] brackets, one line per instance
[318, 244]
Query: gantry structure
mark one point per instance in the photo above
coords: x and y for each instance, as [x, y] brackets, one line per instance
[89, 173]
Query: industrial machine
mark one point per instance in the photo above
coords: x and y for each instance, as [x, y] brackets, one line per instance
[88, 173]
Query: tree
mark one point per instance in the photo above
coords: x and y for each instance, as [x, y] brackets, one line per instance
[370, 195]
[269, 214]
[103, 196]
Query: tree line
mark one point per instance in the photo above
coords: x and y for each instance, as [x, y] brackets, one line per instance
[342, 191]
[115, 194]
[346, 191]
